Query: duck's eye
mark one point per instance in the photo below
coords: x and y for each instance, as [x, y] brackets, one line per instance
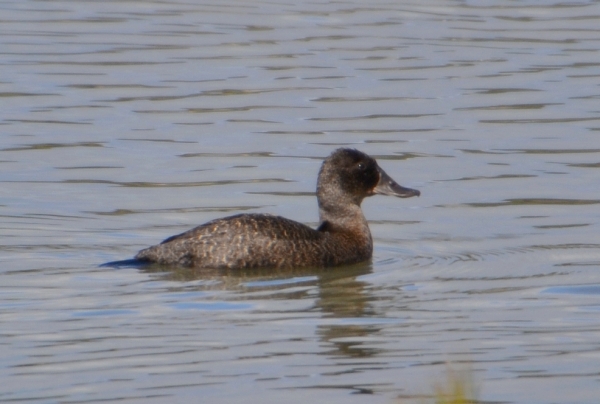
[361, 166]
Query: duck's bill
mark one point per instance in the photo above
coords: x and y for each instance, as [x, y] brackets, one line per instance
[387, 186]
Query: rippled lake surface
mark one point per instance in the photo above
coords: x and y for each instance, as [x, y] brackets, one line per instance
[124, 122]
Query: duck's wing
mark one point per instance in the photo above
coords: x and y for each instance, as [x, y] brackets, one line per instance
[240, 241]
[248, 227]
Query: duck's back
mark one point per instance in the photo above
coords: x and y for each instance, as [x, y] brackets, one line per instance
[256, 241]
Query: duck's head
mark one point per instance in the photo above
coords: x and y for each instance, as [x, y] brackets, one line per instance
[347, 176]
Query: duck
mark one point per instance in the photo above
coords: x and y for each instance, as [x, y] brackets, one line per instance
[256, 240]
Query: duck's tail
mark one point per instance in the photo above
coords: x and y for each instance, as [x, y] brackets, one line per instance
[130, 263]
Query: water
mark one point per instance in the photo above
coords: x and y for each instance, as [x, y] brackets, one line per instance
[126, 122]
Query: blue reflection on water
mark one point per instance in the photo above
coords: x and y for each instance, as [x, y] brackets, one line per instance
[211, 306]
[102, 313]
[278, 282]
[574, 290]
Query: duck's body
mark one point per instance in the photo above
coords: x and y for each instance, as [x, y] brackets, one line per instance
[265, 241]
[260, 241]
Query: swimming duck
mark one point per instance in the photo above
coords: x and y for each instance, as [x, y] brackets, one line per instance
[343, 237]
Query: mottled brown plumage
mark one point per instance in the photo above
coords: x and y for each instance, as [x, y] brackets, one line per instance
[264, 241]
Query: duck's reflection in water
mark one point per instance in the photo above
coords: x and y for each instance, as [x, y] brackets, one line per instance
[341, 297]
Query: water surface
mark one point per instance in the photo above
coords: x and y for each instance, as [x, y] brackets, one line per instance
[126, 122]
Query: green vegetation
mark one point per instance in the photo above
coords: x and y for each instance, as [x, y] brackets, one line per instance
[457, 388]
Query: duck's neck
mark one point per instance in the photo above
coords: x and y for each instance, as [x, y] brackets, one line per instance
[344, 218]
[339, 211]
